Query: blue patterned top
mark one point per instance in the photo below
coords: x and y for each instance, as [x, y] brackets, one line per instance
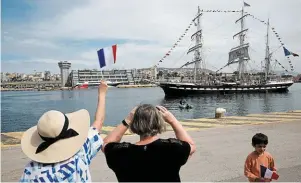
[75, 169]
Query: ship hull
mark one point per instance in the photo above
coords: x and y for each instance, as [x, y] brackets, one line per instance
[178, 89]
[111, 84]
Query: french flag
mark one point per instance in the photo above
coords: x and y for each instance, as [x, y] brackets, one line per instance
[267, 173]
[107, 56]
[287, 53]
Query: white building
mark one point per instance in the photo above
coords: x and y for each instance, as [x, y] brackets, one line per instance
[4, 78]
[94, 76]
[39, 75]
[23, 76]
[47, 75]
[154, 72]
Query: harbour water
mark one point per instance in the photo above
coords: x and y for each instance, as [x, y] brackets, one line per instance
[21, 110]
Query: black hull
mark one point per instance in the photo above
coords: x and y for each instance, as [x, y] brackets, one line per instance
[173, 89]
[113, 84]
[97, 84]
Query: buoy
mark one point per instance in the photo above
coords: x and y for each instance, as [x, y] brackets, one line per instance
[220, 112]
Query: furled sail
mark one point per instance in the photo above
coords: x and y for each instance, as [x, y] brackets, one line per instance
[240, 52]
[195, 48]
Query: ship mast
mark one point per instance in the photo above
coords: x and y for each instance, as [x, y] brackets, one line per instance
[241, 66]
[240, 54]
[198, 45]
[267, 54]
[198, 62]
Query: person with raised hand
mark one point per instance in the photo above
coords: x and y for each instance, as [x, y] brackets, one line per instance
[151, 159]
[62, 146]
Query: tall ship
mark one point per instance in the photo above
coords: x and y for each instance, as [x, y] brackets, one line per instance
[215, 83]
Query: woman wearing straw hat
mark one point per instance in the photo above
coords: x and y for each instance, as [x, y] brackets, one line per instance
[61, 146]
[151, 159]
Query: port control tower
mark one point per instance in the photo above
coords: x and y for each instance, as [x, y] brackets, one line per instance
[64, 66]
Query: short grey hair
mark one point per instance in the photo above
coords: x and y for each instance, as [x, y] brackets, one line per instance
[147, 121]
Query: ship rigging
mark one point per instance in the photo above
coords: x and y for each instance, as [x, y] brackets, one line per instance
[204, 83]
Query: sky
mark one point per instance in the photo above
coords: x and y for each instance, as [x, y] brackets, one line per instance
[36, 35]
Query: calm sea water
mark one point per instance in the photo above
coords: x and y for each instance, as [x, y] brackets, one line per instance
[21, 110]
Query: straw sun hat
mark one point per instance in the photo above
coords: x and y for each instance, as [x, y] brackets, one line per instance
[57, 136]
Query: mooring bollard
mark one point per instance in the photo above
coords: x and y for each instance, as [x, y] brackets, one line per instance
[220, 112]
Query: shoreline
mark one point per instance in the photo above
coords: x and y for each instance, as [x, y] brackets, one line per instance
[9, 139]
[28, 89]
[70, 88]
[137, 86]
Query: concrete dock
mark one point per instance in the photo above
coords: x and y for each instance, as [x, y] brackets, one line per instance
[137, 86]
[222, 146]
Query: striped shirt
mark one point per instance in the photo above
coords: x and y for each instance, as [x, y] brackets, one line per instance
[75, 169]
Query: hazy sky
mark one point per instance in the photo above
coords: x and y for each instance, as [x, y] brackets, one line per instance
[38, 34]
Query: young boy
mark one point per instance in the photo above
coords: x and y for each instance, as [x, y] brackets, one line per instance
[257, 158]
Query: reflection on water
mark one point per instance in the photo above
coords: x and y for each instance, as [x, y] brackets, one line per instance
[235, 104]
[21, 110]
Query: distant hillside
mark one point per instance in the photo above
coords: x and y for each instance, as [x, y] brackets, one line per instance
[184, 69]
[283, 72]
[297, 78]
[277, 72]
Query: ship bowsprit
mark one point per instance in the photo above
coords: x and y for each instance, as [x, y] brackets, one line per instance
[186, 89]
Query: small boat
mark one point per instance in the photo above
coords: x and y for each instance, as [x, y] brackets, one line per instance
[111, 84]
[84, 85]
[185, 106]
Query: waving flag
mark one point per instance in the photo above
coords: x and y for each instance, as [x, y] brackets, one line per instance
[107, 56]
[267, 173]
[287, 53]
[246, 4]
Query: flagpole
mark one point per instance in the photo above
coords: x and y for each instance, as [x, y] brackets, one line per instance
[101, 74]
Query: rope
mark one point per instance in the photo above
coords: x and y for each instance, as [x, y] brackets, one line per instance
[278, 37]
[175, 44]
[281, 65]
[225, 11]
[186, 30]
[182, 55]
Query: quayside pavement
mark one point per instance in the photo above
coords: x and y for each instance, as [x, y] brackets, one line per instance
[221, 149]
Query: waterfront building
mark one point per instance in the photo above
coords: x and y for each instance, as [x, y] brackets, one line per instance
[93, 77]
[47, 76]
[4, 77]
[154, 72]
[64, 66]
